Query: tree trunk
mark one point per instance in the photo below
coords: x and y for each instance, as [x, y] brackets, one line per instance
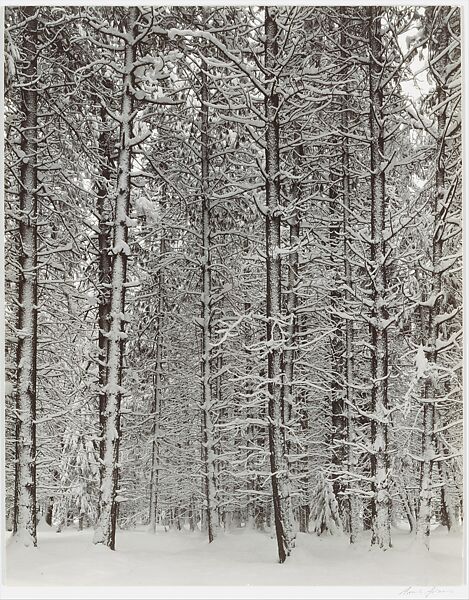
[304, 511]
[207, 401]
[106, 528]
[380, 503]
[448, 516]
[192, 517]
[293, 281]
[337, 346]
[431, 329]
[49, 511]
[292, 305]
[251, 436]
[24, 527]
[276, 388]
[104, 270]
[156, 413]
[352, 503]
[157, 386]
[351, 506]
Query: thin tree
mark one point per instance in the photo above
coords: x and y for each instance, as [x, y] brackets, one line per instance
[157, 379]
[206, 316]
[380, 505]
[275, 372]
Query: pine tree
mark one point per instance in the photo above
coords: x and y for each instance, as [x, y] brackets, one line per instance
[25, 480]
[106, 528]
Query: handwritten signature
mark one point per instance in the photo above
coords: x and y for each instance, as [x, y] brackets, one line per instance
[414, 591]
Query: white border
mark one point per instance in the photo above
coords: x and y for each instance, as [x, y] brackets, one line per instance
[206, 592]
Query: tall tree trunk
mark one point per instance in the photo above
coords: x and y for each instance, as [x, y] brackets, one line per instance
[352, 516]
[156, 408]
[276, 388]
[24, 527]
[251, 482]
[207, 400]
[337, 343]
[157, 379]
[106, 528]
[293, 282]
[104, 269]
[292, 306]
[305, 466]
[380, 504]
[431, 328]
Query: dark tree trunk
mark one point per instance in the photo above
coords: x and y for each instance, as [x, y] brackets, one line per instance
[49, 511]
[276, 388]
[104, 268]
[337, 344]
[351, 506]
[208, 449]
[379, 462]
[156, 413]
[157, 383]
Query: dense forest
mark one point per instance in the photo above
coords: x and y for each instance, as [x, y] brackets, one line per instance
[233, 270]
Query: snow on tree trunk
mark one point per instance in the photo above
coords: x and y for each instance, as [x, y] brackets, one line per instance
[381, 532]
[291, 341]
[251, 433]
[24, 528]
[426, 469]
[351, 459]
[207, 400]
[292, 304]
[336, 344]
[156, 414]
[431, 386]
[104, 240]
[276, 388]
[448, 516]
[293, 281]
[157, 391]
[106, 528]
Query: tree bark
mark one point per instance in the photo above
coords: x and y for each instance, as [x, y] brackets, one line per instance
[351, 510]
[380, 504]
[156, 410]
[337, 343]
[431, 328]
[105, 532]
[24, 528]
[293, 281]
[276, 386]
[104, 270]
[157, 379]
[207, 400]
[448, 514]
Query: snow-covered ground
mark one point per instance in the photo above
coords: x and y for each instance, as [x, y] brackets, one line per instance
[238, 558]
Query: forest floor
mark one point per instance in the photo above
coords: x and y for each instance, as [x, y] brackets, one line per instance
[233, 559]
